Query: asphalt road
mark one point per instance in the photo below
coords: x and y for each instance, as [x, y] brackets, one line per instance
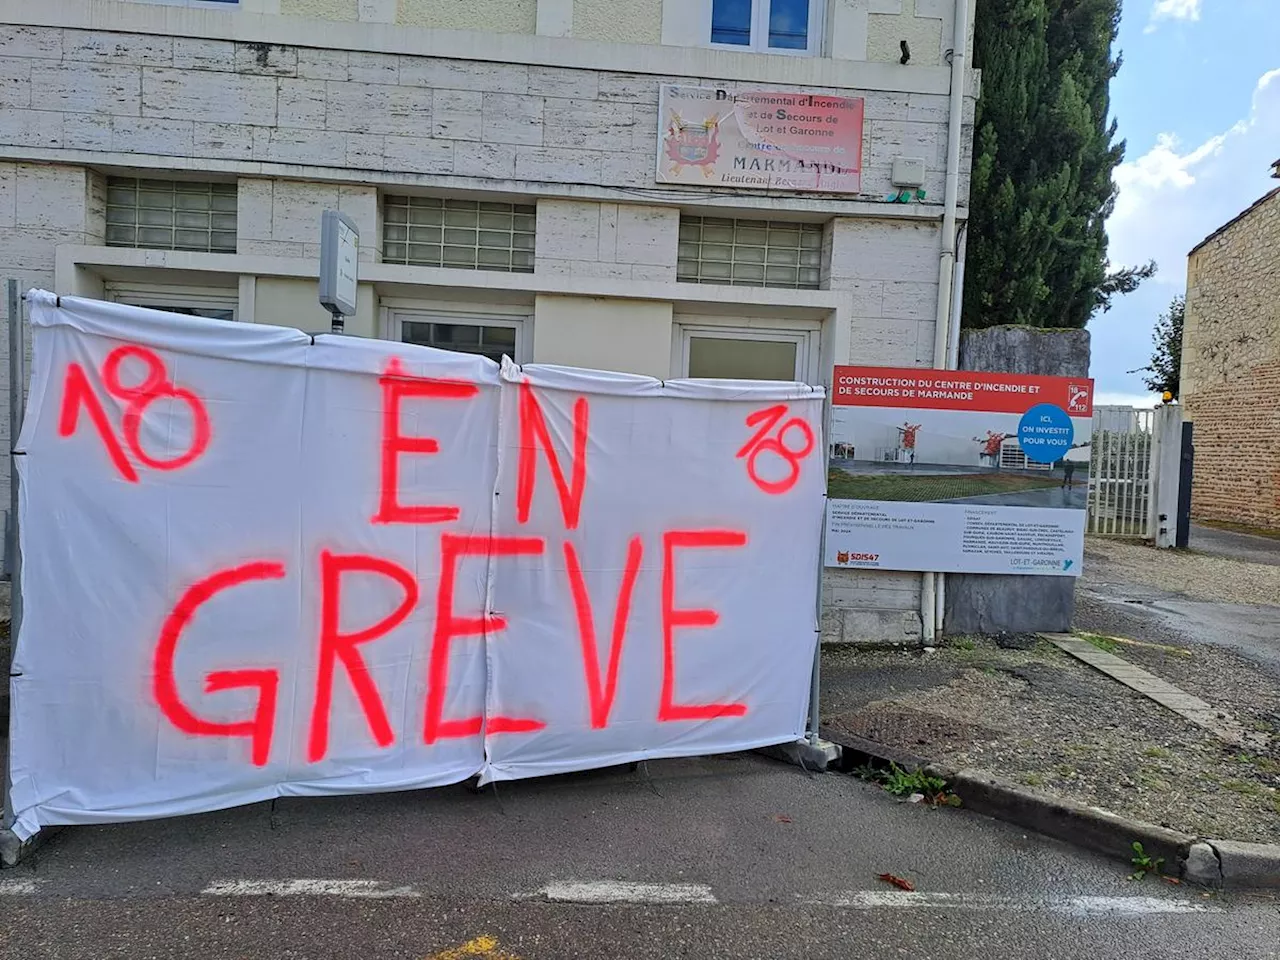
[1108, 603]
[1237, 546]
[732, 856]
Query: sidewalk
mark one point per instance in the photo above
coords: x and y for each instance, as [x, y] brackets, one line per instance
[1058, 727]
[1052, 724]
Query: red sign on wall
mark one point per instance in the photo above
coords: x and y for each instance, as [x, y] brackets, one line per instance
[927, 389]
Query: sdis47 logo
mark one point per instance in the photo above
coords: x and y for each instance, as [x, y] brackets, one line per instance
[844, 558]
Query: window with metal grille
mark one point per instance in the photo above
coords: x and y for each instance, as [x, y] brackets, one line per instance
[465, 234]
[750, 253]
[171, 214]
[213, 303]
[490, 340]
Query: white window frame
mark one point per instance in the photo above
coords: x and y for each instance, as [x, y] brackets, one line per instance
[163, 295]
[806, 335]
[760, 10]
[517, 318]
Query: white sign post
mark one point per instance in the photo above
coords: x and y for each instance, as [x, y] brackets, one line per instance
[339, 258]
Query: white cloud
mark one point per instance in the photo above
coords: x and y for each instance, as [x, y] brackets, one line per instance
[1171, 199]
[1173, 10]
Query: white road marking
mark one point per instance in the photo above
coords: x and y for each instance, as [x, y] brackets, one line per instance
[350, 889]
[17, 888]
[1076, 906]
[619, 891]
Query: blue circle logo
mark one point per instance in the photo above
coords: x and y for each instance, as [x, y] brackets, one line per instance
[1045, 433]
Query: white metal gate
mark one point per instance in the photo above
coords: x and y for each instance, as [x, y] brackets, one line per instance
[1120, 472]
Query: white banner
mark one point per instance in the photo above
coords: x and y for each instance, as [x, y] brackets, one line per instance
[260, 564]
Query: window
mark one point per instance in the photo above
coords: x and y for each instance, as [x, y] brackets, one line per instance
[171, 214]
[212, 302]
[751, 253]
[769, 26]
[483, 334]
[1012, 458]
[732, 352]
[432, 232]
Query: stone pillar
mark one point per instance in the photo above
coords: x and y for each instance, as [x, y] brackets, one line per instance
[996, 603]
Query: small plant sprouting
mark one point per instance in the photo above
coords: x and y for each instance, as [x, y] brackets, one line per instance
[1143, 863]
[903, 783]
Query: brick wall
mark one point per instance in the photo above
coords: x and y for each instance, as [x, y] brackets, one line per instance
[1237, 440]
[1231, 368]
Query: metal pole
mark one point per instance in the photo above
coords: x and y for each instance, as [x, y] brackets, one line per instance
[17, 393]
[815, 680]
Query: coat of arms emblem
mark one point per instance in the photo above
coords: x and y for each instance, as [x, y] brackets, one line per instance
[693, 144]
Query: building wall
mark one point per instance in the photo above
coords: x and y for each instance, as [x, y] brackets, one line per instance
[277, 218]
[321, 9]
[636, 21]
[873, 30]
[581, 238]
[203, 100]
[497, 16]
[869, 30]
[41, 206]
[886, 31]
[1231, 368]
[631, 336]
[891, 270]
[306, 115]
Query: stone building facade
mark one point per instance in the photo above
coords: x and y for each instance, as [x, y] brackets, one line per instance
[1230, 385]
[499, 161]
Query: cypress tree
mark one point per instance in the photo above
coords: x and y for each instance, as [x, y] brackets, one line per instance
[1044, 152]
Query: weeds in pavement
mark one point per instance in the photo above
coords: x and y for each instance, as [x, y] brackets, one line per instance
[1155, 752]
[1105, 644]
[1245, 788]
[1144, 863]
[964, 643]
[904, 783]
[1149, 777]
[1264, 765]
[1033, 780]
[901, 783]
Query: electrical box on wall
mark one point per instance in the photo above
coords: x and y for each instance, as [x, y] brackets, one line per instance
[908, 171]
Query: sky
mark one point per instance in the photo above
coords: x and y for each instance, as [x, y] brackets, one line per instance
[1198, 103]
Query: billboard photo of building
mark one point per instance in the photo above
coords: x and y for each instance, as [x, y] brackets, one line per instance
[887, 453]
[958, 471]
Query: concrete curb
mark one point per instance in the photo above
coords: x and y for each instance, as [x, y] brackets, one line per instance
[1089, 827]
[1247, 864]
[1211, 863]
